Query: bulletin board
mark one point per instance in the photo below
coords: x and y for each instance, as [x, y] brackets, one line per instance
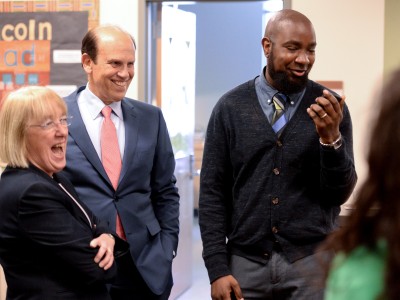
[40, 42]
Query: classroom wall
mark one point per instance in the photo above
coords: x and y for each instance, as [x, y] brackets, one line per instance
[392, 33]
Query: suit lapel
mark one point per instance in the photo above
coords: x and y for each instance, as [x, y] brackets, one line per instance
[76, 212]
[81, 211]
[81, 137]
[131, 136]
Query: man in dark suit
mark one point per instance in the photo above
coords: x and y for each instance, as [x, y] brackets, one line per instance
[144, 200]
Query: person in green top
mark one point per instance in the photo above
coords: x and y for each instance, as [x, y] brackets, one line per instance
[358, 274]
[367, 264]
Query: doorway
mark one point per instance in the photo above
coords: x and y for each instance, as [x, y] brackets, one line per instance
[197, 51]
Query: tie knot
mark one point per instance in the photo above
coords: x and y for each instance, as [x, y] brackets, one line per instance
[280, 100]
[106, 111]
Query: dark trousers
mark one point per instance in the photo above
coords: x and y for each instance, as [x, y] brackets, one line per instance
[129, 284]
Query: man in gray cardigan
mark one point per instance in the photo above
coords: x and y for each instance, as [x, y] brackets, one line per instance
[268, 195]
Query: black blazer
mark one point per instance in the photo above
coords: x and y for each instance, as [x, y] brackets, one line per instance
[44, 239]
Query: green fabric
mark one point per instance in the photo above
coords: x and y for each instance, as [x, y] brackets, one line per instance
[357, 276]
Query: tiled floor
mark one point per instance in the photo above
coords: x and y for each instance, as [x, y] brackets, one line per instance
[200, 288]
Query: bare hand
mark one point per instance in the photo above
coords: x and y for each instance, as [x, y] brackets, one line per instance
[327, 114]
[104, 256]
[222, 288]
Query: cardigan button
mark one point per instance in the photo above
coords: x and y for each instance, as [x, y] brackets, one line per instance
[274, 229]
[276, 171]
[279, 143]
[275, 201]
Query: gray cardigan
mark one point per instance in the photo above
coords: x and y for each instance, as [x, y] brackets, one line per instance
[256, 189]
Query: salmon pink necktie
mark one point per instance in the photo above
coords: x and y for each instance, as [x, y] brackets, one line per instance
[111, 157]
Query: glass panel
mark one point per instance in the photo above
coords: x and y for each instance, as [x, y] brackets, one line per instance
[178, 59]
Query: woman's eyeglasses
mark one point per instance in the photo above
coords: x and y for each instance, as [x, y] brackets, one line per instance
[65, 122]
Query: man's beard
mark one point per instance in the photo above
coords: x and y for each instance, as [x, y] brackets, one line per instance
[281, 80]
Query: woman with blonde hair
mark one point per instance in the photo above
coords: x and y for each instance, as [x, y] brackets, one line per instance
[51, 245]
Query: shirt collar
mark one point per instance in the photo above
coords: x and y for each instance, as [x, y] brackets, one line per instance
[267, 89]
[95, 105]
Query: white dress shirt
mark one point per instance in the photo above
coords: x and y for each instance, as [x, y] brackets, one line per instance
[90, 107]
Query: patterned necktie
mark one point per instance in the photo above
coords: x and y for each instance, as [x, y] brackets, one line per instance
[111, 156]
[278, 119]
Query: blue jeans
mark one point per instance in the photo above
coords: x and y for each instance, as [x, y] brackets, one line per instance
[280, 279]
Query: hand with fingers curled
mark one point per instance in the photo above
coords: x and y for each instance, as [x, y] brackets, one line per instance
[224, 287]
[327, 114]
[105, 256]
